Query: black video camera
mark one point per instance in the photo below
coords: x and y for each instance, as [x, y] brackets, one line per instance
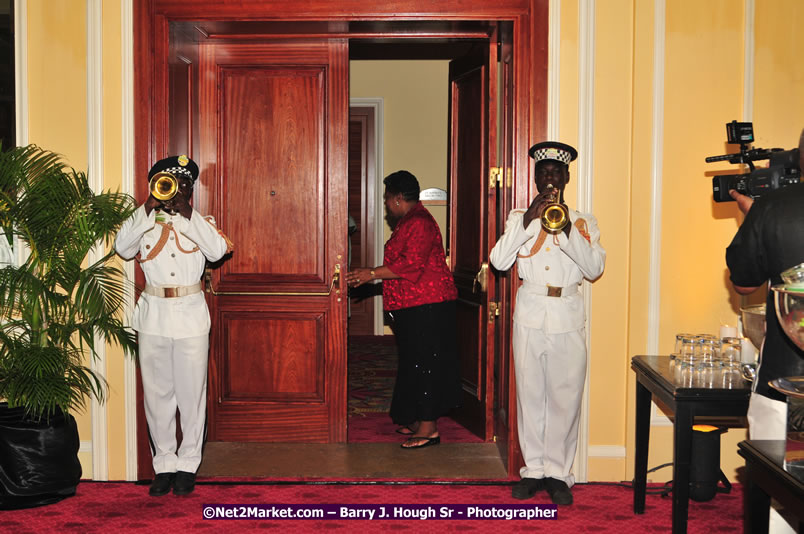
[782, 169]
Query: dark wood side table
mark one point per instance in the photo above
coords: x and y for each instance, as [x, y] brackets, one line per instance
[766, 477]
[654, 378]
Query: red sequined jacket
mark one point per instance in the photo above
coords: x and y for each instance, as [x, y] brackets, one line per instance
[415, 253]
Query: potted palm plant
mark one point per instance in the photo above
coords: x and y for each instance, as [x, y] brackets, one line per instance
[54, 307]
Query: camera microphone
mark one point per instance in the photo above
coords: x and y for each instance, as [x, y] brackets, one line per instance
[724, 157]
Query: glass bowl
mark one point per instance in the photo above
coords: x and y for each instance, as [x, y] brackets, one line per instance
[754, 323]
[789, 301]
[794, 276]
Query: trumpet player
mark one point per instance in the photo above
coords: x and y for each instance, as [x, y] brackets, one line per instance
[172, 243]
[555, 249]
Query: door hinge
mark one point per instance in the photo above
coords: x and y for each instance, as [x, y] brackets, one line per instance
[495, 177]
[494, 310]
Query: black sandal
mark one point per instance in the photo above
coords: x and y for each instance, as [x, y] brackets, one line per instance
[425, 443]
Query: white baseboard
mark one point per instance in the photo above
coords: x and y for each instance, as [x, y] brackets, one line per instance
[606, 451]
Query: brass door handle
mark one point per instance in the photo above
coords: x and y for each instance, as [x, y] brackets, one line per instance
[481, 278]
[336, 276]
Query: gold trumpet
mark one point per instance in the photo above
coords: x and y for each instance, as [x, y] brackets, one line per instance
[555, 215]
[163, 186]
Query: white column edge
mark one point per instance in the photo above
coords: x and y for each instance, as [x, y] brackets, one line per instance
[554, 70]
[21, 121]
[748, 52]
[127, 173]
[585, 187]
[100, 442]
[657, 159]
[21, 71]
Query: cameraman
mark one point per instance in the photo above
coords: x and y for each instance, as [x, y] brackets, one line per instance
[769, 241]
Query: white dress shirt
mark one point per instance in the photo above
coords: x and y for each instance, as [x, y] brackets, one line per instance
[179, 317]
[560, 262]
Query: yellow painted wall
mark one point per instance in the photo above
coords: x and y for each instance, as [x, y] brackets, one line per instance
[113, 180]
[703, 81]
[57, 96]
[415, 109]
[57, 112]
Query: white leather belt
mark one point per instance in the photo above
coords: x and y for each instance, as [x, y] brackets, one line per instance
[172, 292]
[549, 291]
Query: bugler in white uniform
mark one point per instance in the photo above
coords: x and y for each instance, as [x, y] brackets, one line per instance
[173, 323]
[549, 339]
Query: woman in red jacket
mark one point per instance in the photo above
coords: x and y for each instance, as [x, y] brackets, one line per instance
[419, 294]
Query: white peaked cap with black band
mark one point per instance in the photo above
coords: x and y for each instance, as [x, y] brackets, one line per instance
[553, 150]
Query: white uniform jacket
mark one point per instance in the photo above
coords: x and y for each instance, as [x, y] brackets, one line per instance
[563, 265]
[179, 317]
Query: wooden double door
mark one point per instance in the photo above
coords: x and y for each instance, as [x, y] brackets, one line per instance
[267, 121]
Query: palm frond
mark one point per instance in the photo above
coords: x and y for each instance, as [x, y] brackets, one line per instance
[53, 306]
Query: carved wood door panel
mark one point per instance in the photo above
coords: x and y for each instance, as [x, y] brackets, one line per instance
[274, 119]
[472, 146]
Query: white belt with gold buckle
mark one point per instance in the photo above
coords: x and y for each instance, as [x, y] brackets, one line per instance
[172, 292]
[550, 291]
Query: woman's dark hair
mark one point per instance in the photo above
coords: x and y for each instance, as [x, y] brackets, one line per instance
[402, 182]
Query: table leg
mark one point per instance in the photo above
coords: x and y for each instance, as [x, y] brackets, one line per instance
[643, 397]
[682, 451]
[757, 503]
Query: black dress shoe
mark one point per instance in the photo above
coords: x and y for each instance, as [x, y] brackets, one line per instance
[161, 484]
[559, 491]
[185, 483]
[527, 488]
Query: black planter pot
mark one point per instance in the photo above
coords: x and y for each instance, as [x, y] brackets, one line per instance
[38, 459]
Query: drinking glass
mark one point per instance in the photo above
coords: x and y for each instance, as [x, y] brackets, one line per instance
[685, 362]
[730, 350]
[706, 355]
[679, 341]
[731, 375]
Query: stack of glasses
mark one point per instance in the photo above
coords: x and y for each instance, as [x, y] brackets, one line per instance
[706, 361]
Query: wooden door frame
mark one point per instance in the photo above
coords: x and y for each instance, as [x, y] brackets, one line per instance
[152, 19]
[377, 204]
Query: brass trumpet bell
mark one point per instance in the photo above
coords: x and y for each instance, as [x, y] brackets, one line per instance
[163, 186]
[555, 215]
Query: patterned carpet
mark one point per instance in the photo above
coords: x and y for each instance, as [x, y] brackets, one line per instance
[126, 507]
[372, 372]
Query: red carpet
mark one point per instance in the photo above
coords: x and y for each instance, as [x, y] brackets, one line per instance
[372, 371]
[378, 428]
[126, 507]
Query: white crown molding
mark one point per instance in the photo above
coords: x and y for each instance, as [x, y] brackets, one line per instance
[100, 442]
[127, 172]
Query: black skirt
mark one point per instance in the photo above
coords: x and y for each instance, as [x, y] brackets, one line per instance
[427, 381]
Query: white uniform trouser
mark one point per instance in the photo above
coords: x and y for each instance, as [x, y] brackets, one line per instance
[767, 419]
[550, 371]
[174, 374]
